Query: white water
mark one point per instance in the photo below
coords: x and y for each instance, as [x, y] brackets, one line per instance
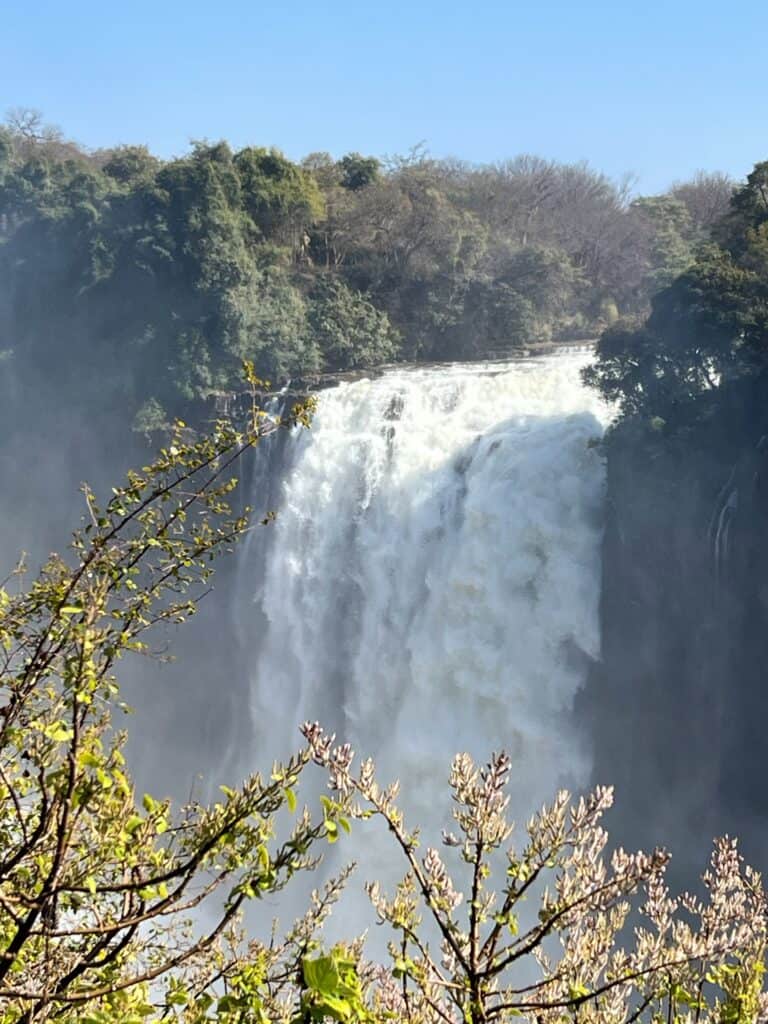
[432, 581]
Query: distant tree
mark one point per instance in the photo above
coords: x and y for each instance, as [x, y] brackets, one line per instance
[31, 135]
[274, 330]
[748, 211]
[706, 196]
[358, 171]
[406, 228]
[323, 168]
[531, 202]
[706, 330]
[129, 165]
[282, 200]
[327, 236]
[546, 277]
[348, 330]
[151, 419]
[669, 249]
[29, 125]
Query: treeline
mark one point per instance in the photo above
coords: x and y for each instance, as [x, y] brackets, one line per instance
[122, 275]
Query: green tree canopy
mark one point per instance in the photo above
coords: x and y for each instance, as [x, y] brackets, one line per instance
[348, 330]
[281, 199]
[358, 171]
[706, 331]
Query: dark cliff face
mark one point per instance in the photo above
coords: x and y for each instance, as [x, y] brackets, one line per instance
[678, 705]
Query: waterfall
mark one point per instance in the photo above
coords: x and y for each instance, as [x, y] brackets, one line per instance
[431, 583]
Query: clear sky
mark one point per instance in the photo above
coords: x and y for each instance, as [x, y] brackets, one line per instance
[656, 89]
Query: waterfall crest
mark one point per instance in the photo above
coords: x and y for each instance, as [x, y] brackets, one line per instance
[432, 581]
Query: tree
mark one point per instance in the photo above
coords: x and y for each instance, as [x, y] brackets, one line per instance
[323, 168]
[28, 123]
[358, 171]
[273, 328]
[707, 330]
[95, 883]
[748, 210]
[31, 135]
[669, 249]
[689, 959]
[129, 164]
[706, 196]
[485, 316]
[349, 330]
[280, 197]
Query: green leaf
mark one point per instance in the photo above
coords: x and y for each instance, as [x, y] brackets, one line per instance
[58, 732]
[337, 1007]
[321, 975]
[577, 991]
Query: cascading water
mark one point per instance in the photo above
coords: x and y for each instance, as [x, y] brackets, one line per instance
[432, 581]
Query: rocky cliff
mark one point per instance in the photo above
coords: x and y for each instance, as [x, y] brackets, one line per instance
[678, 704]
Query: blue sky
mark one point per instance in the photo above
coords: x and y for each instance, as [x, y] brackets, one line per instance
[656, 89]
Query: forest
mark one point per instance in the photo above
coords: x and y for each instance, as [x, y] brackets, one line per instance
[146, 282]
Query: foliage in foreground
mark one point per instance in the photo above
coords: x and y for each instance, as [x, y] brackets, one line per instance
[685, 959]
[97, 885]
